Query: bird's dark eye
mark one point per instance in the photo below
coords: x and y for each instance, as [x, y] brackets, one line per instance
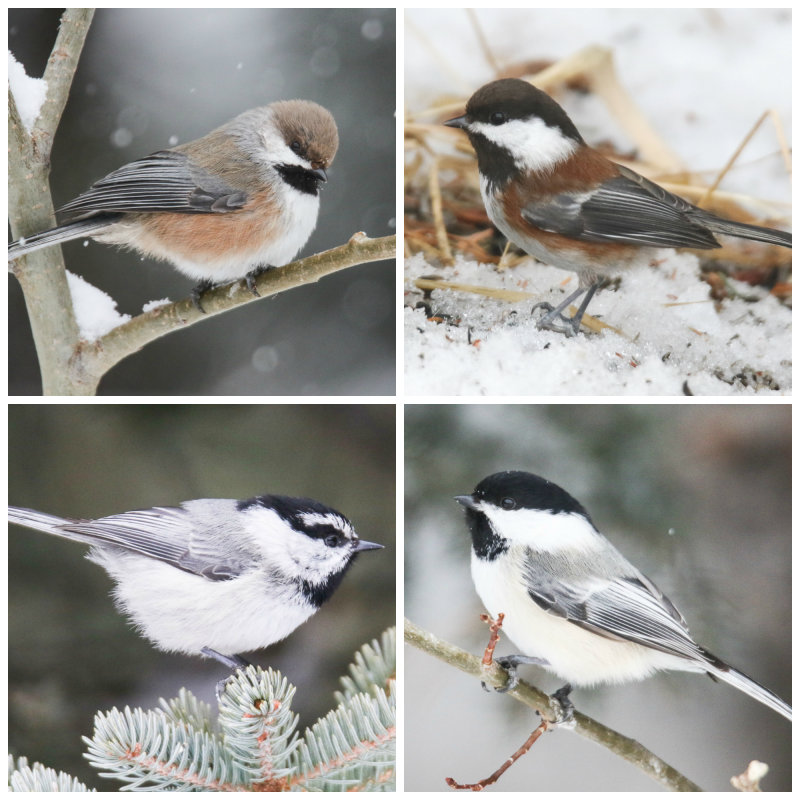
[497, 118]
[508, 503]
[333, 540]
[296, 147]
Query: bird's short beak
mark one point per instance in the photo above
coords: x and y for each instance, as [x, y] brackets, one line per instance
[457, 122]
[466, 500]
[362, 545]
[320, 174]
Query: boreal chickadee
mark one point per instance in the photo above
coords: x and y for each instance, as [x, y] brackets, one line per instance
[572, 602]
[241, 199]
[567, 205]
[216, 577]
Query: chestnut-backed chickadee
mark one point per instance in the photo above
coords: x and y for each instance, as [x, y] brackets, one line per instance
[230, 205]
[562, 202]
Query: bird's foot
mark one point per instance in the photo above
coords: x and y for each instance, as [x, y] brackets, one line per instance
[510, 664]
[555, 321]
[233, 663]
[250, 278]
[197, 293]
[562, 707]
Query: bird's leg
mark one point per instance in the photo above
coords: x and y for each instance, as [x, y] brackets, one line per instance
[554, 320]
[250, 278]
[233, 663]
[198, 291]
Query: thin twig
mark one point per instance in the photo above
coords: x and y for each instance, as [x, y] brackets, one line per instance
[626, 748]
[495, 776]
[781, 134]
[494, 637]
[488, 658]
[484, 44]
[732, 160]
[435, 191]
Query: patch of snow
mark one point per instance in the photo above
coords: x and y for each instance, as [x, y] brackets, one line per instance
[672, 336]
[29, 93]
[152, 305]
[95, 312]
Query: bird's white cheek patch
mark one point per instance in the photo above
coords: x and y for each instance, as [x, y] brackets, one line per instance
[277, 151]
[542, 531]
[533, 144]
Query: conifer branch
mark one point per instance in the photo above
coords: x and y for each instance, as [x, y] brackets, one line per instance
[253, 744]
[24, 777]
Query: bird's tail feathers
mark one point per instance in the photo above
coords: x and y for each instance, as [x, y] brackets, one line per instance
[744, 231]
[719, 669]
[59, 235]
[39, 521]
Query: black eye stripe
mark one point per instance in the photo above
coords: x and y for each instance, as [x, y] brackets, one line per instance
[322, 531]
[299, 512]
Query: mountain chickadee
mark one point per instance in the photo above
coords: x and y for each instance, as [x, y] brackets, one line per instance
[216, 577]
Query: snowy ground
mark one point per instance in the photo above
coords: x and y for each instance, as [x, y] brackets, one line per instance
[702, 78]
[667, 349]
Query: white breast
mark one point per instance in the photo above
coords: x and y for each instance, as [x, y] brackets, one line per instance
[576, 655]
[182, 612]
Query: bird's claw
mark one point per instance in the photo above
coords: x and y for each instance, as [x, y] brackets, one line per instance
[233, 662]
[513, 676]
[555, 321]
[562, 707]
[197, 293]
[250, 278]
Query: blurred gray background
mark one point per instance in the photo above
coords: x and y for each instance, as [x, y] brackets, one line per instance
[147, 75]
[718, 476]
[71, 653]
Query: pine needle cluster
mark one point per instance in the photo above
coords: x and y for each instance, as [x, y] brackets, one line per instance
[252, 743]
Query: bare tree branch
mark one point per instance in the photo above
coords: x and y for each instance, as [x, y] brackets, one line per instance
[94, 360]
[58, 75]
[624, 747]
[30, 209]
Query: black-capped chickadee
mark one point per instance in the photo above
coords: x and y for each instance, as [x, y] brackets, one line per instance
[216, 577]
[572, 602]
[567, 205]
[227, 206]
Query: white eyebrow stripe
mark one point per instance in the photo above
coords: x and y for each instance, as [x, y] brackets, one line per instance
[334, 520]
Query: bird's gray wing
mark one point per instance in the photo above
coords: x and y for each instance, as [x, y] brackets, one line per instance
[166, 534]
[630, 608]
[163, 181]
[626, 209]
